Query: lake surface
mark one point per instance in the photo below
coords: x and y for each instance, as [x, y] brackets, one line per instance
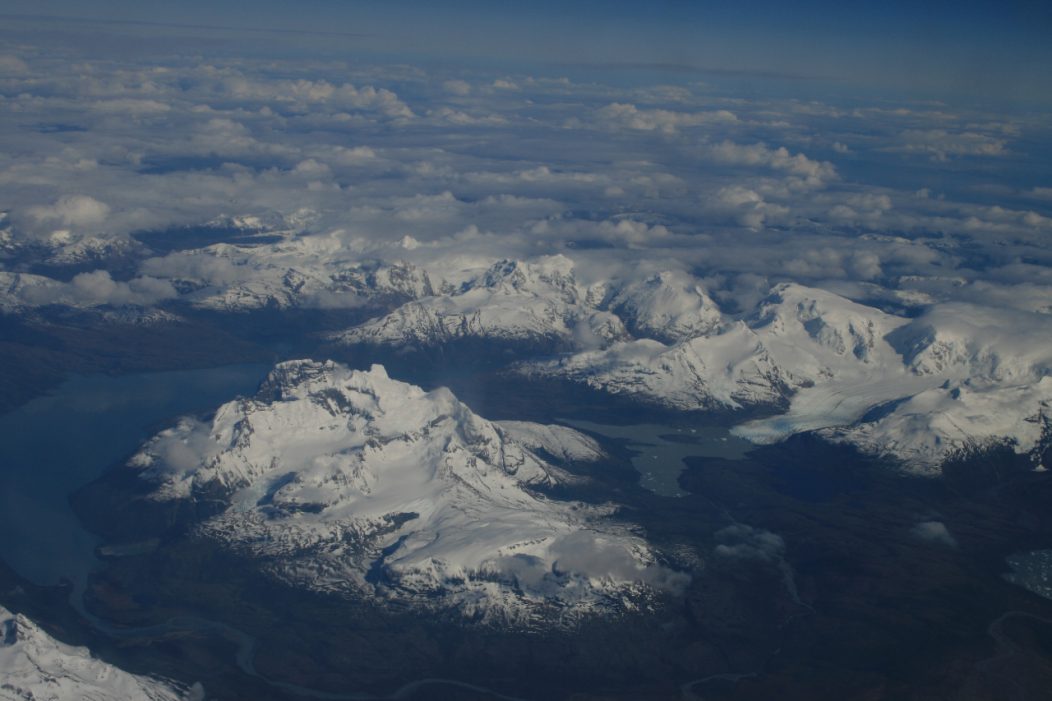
[661, 449]
[56, 443]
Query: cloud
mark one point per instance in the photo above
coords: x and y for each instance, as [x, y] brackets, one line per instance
[941, 144]
[304, 92]
[12, 65]
[592, 555]
[628, 116]
[860, 209]
[222, 136]
[177, 452]
[729, 153]
[94, 289]
[539, 174]
[746, 207]
[828, 262]
[865, 265]
[589, 554]
[204, 266]
[745, 542]
[130, 106]
[457, 87]
[459, 118]
[356, 155]
[71, 211]
[935, 532]
[312, 168]
[621, 233]
[333, 150]
[98, 287]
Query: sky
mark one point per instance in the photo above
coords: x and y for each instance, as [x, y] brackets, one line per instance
[968, 50]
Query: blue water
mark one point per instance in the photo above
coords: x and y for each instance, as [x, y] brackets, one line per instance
[56, 443]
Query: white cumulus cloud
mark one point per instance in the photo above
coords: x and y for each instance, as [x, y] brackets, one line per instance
[71, 211]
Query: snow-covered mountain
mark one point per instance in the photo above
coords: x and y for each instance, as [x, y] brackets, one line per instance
[349, 481]
[926, 428]
[797, 338]
[36, 667]
[94, 292]
[969, 342]
[305, 272]
[814, 359]
[542, 304]
[993, 370]
[66, 250]
[667, 307]
[22, 291]
[537, 303]
[956, 378]
[724, 372]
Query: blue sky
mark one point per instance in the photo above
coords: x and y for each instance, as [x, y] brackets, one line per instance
[966, 49]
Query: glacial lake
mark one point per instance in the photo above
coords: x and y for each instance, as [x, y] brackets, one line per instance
[58, 442]
[661, 449]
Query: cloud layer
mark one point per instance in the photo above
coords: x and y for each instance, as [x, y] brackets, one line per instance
[893, 204]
